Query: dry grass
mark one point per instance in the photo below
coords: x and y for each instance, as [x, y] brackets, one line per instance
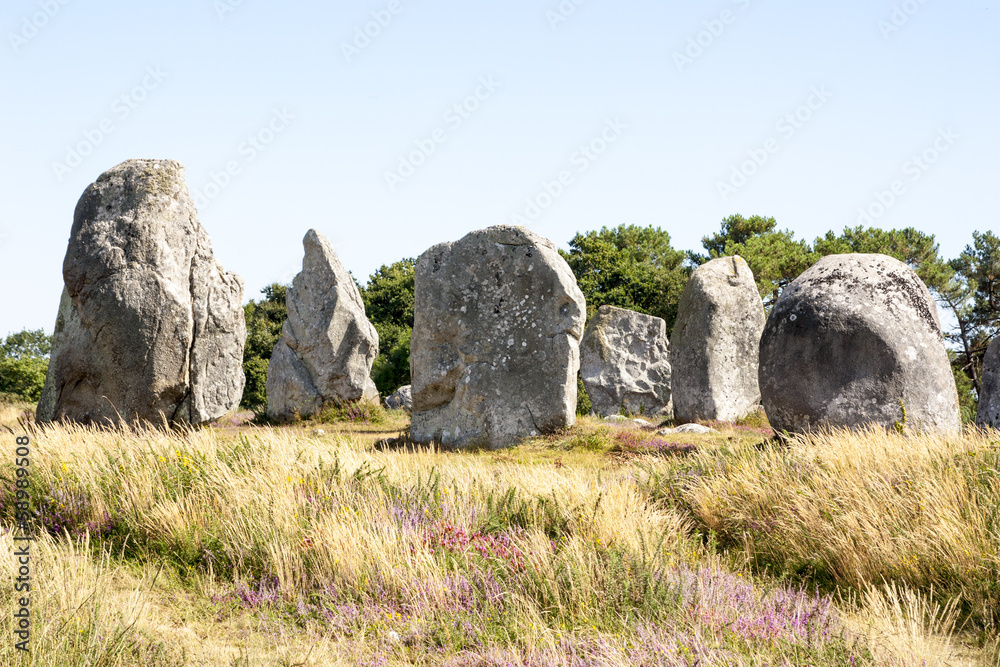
[254, 495]
[11, 414]
[864, 508]
[264, 545]
[907, 623]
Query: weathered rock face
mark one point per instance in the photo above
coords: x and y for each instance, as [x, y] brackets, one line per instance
[401, 399]
[624, 362]
[850, 343]
[494, 354]
[327, 344]
[714, 345]
[989, 388]
[150, 326]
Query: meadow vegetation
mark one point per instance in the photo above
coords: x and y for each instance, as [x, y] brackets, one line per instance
[333, 540]
[602, 545]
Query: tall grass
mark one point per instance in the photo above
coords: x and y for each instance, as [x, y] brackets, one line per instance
[327, 551]
[86, 606]
[865, 508]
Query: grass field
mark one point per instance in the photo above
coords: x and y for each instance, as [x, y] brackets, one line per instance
[603, 545]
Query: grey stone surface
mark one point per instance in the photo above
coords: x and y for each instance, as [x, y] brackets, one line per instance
[620, 419]
[327, 344]
[150, 326]
[714, 344]
[494, 353]
[401, 399]
[851, 340]
[687, 428]
[624, 362]
[989, 388]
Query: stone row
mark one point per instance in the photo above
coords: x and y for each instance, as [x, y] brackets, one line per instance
[151, 328]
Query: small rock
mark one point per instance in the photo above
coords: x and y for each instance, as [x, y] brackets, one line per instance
[616, 419]
[318, 432]
[402, 399]
[640, 422]
[687, 428]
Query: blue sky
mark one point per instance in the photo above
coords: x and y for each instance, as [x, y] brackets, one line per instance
[452, 116]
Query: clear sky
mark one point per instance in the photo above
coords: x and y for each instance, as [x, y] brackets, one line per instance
[449, 116]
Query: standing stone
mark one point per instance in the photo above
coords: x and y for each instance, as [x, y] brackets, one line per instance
[150, 326]
[852, 342]
[624, 362]
[327, 344]
[401, 399]
[494, 354]
[714, 345]
[989, 388]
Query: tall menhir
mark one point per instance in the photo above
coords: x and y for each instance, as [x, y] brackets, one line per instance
[150, 326]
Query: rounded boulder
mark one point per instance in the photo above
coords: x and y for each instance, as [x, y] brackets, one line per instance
[855, 341]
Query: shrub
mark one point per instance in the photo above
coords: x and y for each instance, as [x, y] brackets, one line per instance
[255, 391]
[264, 321]
[388, 299]
[23, 377]
[363, 411]
[391, 369]
[24, 363]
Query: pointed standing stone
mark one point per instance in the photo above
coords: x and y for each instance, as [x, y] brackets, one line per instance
[327, 344]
